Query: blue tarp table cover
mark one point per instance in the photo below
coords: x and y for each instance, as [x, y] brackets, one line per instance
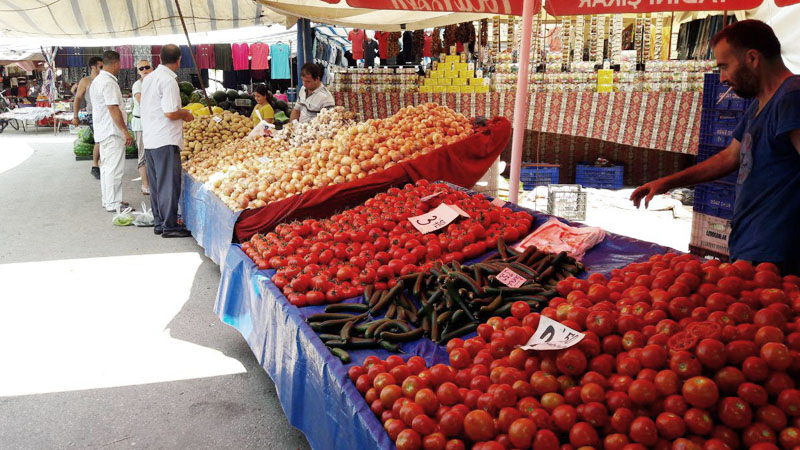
[210, 221]
[312, 384]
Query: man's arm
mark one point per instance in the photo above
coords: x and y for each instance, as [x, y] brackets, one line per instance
[713, 168]
[180, 114]
[295, 114]
[76, 104]
[171, 103]
[119, 121]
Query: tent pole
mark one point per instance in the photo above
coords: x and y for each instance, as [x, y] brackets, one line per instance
[194, 60]
[669, 47]
[521, 101]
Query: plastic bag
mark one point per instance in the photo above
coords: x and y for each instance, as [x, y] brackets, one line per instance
[260, 128]
[555, 236]
[144, 218]
[123, 218]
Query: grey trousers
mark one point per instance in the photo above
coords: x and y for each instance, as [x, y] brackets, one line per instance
[164, 175]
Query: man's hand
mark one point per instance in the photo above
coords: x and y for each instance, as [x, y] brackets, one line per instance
[75, 121]
[128, 139]
[187, 115]
[647, 191]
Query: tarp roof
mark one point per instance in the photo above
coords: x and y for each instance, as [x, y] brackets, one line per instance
[125, 18]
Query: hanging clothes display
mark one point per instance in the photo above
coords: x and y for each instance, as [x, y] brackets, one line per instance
[186, 57]
[155, 51]
[75, 57]
[259, 54]
[228, 79]
[427, 49]
[280, 67]
[141, 52]
[436, 45]
[205, 56]
[88, 52]
[241, 56]
[125, 56]
[408, 47]
[357, 36]
[419, 42]
[223, 57]
[394, 44]
[370, 51]
[449, 37]
[61, 57]
[351, 62]
[383, 43]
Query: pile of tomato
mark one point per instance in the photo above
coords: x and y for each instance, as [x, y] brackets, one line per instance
[677, 354]
[329, 260]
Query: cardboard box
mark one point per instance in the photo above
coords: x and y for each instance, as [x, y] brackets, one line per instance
[605, 76]
[462, 66]
[452, 58]
[459, 82]
[429, 82]
[603, 88]
[482, 89]
[453, 89]
[443, 82]
[466, 74]
[476, 81]
[426, 89]
[440, 89]
[467, 89]
[436, 74]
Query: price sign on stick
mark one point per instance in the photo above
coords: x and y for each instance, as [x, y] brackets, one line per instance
[428, 197]
[499, 202]
[460, 211]
[217, 119]
[510, 278]
[435, 219]
[551, 335]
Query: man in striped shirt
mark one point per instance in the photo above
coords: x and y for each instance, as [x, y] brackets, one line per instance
[313, 96]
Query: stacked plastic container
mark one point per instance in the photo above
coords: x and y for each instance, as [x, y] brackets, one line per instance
[537, 175]
[713, 202]
[599, 177]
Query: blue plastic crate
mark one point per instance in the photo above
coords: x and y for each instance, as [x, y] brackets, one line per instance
[599, 177]
[713, 90]
[532, 176]
[715, 199]
[716, 127]
[705, 152]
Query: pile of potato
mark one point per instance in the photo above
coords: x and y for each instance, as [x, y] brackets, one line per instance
[213, 132]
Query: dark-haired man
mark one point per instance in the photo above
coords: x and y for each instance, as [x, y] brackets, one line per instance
[110, 130]
[162, 125]
[95, 66]
[765, 148]
[313, 96]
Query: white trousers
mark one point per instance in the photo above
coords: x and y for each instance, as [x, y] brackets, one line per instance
[112, 166]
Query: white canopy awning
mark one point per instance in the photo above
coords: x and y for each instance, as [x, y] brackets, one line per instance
[126, 18]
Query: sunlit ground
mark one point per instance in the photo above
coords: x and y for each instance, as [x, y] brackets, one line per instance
[70, 325]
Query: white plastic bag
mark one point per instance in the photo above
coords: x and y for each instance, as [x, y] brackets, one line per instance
[123, 218]
[144, 218]
[260, 128]
[554, 236]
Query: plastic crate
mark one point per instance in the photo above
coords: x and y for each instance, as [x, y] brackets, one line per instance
[715, 199]
[705, 152]
[710, 233]
[567, 201]
[705, 253]
[532, 176]
[599, 177]
[713, 91]
[716, 126]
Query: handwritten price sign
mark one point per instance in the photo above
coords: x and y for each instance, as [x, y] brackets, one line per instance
[499, 202]
[428, 197]
[217, 119]
[435, 219]
[510, 278]
[551, 335]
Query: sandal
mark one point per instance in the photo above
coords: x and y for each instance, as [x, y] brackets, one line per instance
[145, 191]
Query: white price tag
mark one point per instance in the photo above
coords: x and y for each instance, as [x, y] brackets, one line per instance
[428, 197]
[265, 160]
[510, 278]
[435, 219]
[217, 119]
[459, 211]
[551, 335]
[499, 202]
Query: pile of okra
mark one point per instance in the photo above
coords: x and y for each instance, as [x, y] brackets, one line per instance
[446, 302]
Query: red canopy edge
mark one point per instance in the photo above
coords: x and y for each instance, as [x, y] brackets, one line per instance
[462, 163]
[583, 7]
[500, 7]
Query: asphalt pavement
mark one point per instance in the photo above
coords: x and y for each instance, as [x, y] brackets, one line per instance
[108, 339]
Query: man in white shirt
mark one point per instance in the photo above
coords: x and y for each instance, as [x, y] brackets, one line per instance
[313, 96]
[110, 130]
[162, 133]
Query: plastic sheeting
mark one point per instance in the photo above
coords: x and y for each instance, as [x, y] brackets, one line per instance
[210, 221]
[312, 384]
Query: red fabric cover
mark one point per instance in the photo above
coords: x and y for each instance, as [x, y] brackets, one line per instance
[462, 163]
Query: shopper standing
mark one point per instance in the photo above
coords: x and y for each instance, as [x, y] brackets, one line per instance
[313, 96]
[765, 148]
[162, 123]
[263, 109]
[110, 130]
[143, 67]
[82, 93]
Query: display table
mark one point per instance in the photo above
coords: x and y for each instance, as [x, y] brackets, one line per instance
[668, 121]
[24, 114]
[312, 384]
[210, 220]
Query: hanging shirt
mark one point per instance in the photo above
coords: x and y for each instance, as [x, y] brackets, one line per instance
[223, 57]
[186, 57]
[383, 44]
[125, 57]
[241, 56]
[766, 213]
[259, 54]
[357, 38]
[205, 56]
[156, 52]
[370, 51]
[280, 61]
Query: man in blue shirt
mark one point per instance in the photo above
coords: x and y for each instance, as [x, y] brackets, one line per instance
[765, 148]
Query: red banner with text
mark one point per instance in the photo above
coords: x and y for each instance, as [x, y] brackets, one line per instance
[501, 7]
[582, 7]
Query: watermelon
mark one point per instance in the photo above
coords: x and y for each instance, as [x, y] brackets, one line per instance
[195, 97]
[232, 95]
[224, 104]
[184, 99]
[85, 135]
[220, 96]
[210, 100]
[186, 87]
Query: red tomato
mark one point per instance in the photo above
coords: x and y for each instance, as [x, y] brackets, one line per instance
[735, 412]
[479, 426]
[583, 434]
[700, 392]
[408, 439]
[698, 421]
[670, 425]
[643, 430]
[521, 432]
